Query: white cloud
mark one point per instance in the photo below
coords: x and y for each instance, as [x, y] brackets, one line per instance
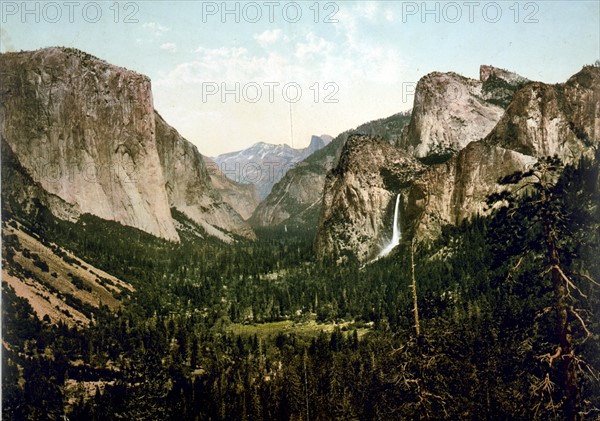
[314, 45]
[390, 16]
[268, 37]
[169, 46]
[156, 28]
[368, 9]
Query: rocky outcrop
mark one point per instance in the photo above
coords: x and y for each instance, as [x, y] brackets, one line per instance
[295, 200]
[21, 193]
[359, 197]
[189, 187]
[448, 193]
[449, 112]
[540, 120]
[546, 120]
[489, 72]
[86, 134]
[84, 130]
[243, 198]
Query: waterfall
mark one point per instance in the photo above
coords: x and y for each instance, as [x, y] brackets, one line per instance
[396, 234]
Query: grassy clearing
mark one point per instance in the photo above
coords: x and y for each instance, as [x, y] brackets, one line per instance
[308, 329]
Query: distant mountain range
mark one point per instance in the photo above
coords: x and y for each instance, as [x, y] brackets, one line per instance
[264, 164]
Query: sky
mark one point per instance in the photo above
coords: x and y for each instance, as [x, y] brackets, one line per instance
[229, 74]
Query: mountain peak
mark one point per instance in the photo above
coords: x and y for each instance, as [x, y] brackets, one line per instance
[264, 164]
[486, 71]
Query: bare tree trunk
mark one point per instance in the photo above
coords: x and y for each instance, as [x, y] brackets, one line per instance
[414, 289]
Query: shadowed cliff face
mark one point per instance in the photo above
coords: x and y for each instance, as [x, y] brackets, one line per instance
[359, 197]
[296, 200]
[86, 132]
[243, 198]
[457, 189]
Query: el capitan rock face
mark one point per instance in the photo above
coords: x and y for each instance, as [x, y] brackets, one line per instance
[84, 130]
[86, 133]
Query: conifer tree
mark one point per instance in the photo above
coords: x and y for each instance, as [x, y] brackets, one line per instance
[547, 214]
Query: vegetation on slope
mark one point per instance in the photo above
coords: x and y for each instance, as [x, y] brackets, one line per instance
[206, 333]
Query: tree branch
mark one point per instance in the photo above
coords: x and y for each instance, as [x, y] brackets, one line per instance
[568, 281]
[551, 358]
[588, 333]
[583, 275]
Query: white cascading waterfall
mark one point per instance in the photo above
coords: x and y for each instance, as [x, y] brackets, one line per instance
[396, 233]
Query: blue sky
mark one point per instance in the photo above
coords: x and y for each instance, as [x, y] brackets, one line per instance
[337, 75]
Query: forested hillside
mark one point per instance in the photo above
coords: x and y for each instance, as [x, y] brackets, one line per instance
[507, 320]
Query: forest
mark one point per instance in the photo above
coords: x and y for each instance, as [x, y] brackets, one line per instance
[496, 319]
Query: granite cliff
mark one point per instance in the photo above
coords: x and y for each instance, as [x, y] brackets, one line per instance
[359, 197]
[465, 136]
[86, 133]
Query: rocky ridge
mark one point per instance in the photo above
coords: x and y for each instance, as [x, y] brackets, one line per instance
[243, 198]
[449, 112]
[546, 120]
[264, 164]
[296, 200]
[189, 187]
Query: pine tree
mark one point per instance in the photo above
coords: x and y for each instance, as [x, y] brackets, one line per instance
[547, 213]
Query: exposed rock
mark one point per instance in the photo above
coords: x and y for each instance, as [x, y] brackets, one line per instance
[457, 189]
[359, 197]
[84, 130]
[83, 137]
[189, 188]
[296, 200]
[243, 198]
[485, 72]
[264, 164]
[545, 120]
[449, 112]
[20, 192]
[540, 120]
